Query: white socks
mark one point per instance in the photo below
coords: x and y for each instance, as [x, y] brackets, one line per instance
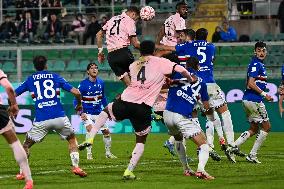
[228, 127]
[21, 158]
[89, 148]
[74, 159]
[258, 142]
[181, 151]
[244, 136]
[136, 155]
[203, 157]
[107, 141]
[210, 133]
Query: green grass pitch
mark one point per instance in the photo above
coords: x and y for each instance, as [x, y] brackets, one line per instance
[50, 164]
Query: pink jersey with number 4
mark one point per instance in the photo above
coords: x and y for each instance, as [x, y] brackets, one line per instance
[118, 30]
[147, 79]
[172, 24]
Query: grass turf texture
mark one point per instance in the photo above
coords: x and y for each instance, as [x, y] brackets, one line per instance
[50, 164]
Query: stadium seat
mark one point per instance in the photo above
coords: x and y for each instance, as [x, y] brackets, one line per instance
[226, 51]
[67, 54]
[81, 54]
[83, 65]
[256, 37]
[57, 66]
[93, 54]
[268, 37]
[220, 61]
[275, 50]
[77, 76]
[233, 61]
[52, 54]
[9, 66]
[27, 66]
[41, 53]
[27, 54]
[4, 54]
[238, 50]
[280, 37]
[244, 60]
[73, 65]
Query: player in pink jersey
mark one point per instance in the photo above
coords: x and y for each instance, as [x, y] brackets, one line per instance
[120, 32]
[170, 30]
[7, 129]
[147, 78]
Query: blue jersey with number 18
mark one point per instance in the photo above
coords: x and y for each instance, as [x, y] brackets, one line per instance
[205, 52]
[44, 87]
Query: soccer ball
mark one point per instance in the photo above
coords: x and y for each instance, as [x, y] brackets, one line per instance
[147, 13]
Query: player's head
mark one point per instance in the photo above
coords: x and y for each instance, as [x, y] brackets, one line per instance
[201, 34]
[260, 50]
[186, 35]
[40, 63]
[182, 9]
[133, 12]
[225, 25]
[92, 69]
[147, 47]
[193, 63]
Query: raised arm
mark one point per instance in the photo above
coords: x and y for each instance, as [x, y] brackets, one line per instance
[135, 42]
[160, 35]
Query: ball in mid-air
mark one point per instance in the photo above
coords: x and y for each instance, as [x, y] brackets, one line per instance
[147, 13]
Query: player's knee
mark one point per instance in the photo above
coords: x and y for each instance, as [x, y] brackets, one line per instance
[106, 132]
[226, 114]
[89, 128]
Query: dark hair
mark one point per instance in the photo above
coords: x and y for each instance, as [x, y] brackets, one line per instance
[201, 34]
[147, 47]
[179, 4]
[192, 62]
[39, 62]
[189, 32]
[133, 9]
[259, 44]
[91, 64]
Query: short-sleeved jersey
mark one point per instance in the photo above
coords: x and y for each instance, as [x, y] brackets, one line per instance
[118, 30]
[93, 96]
[182, 98]
[3, 80]
[205, 52]
[147, 78]
[256, 69]
[282, 73]
[44, 87]
[172, 24]
[182, 52]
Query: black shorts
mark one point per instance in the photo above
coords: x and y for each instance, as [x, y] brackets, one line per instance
[120, 60]
[138, 114]
[172, 57]
[4, 117]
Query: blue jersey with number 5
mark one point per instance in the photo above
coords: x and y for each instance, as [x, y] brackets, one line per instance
[44, 88]
[205, 52]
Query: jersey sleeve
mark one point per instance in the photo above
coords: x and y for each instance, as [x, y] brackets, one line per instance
[253, 70]
[64, 84]
[22, 88]
[166, 66]
[203, 92]
[131, 28]
[179, 49]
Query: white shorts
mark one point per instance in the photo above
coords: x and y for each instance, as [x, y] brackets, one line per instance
[91, 119]
[8, 127]
[255, 111]
[216, 97]
[179, 124]
[40, 129]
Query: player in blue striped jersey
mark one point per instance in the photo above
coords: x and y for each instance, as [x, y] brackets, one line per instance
[253, 103]
[44, 87]
[93, 101]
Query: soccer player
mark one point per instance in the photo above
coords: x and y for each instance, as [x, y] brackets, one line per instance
[44, 87]
[93, 101]
[7, 129]
[120, 32]
[281, 92]
[147, 78]
[253, 103]
[205, 52]
[178, 118]
[168, 34]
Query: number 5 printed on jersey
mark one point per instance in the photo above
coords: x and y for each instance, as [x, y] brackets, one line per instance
[200, 52]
